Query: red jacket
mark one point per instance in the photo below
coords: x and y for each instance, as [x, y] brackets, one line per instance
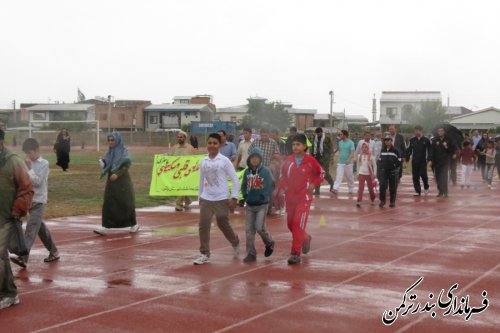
[467, 156]
[295, 179]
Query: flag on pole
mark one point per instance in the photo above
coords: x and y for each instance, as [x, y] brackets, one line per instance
[81, 96]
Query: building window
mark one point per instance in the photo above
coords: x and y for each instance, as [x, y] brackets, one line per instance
[407, 112]
[103, 116]
[153, 119]
[69, 115]
[122, 116]
[39, 116]
[391, 112]
[233, 118]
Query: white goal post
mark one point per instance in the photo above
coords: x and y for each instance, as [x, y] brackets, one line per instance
[31, 122]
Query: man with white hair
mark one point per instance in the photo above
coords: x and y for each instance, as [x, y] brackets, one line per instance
[182, 148]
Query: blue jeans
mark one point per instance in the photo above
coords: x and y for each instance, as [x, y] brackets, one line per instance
[256, 223]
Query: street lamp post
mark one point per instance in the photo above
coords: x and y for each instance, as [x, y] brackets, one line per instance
[331, 113]
[109, 113]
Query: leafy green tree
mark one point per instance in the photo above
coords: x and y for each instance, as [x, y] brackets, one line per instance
[431, 114]
[272, 115]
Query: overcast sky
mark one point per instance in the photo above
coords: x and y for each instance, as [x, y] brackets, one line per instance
[290, 51]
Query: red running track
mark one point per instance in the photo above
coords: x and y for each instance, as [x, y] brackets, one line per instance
[362, 261]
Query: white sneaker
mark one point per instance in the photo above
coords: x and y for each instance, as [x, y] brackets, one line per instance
[282, 212]
[202, 259]
[426, 192]
[5, 302]
[134, 228]
[101, 231]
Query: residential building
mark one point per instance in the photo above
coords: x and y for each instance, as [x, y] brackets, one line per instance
[181, 100]
[126, 115]
[398, 107]
[232, 113]
[6, 116]
[339, 121]
[457, 110]
[484, 119]
[197, 99]
[170, 116]
[23, 110]
[61, 112]
[301, 118]
[356, 120]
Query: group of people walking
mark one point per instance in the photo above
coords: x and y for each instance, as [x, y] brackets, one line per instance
[281, 173]
[24, 191]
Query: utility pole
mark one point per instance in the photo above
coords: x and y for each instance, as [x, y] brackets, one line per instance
[14, 111]
[345, 123]
[374, 110]
[109, 114]
[331, 114]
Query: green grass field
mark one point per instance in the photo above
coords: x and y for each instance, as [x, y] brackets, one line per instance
[80, 190]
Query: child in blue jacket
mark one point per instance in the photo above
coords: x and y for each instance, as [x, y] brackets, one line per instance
[257, 187]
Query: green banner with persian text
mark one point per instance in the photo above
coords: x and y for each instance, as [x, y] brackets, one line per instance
[177, 175]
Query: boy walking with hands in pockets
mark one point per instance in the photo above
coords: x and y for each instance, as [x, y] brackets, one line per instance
[257, 187]
[300, 174]
[38, 171]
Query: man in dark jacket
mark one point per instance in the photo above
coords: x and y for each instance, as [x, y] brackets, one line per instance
[16, 193]
[442, 151]
[419, 151]
[322, 151]
[390, 163]
[289, 140]
[398, 141]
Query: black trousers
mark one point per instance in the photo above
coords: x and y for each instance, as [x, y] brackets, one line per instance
[326, 166]
[441, 174]
[419, 170]
[388, 178]
[481, 164]
[453, 171]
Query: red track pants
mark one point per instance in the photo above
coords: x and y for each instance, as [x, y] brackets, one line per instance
[297, 217]
[361, 187]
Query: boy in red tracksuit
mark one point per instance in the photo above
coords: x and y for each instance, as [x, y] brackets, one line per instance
[300, 174]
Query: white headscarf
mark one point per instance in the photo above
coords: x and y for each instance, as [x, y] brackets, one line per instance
[315, 148]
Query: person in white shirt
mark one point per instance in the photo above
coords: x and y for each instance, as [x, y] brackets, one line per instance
[215, 199]
[38, 171]
[377, 144]
[371, 144]
[243, 149]
[367, 171]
